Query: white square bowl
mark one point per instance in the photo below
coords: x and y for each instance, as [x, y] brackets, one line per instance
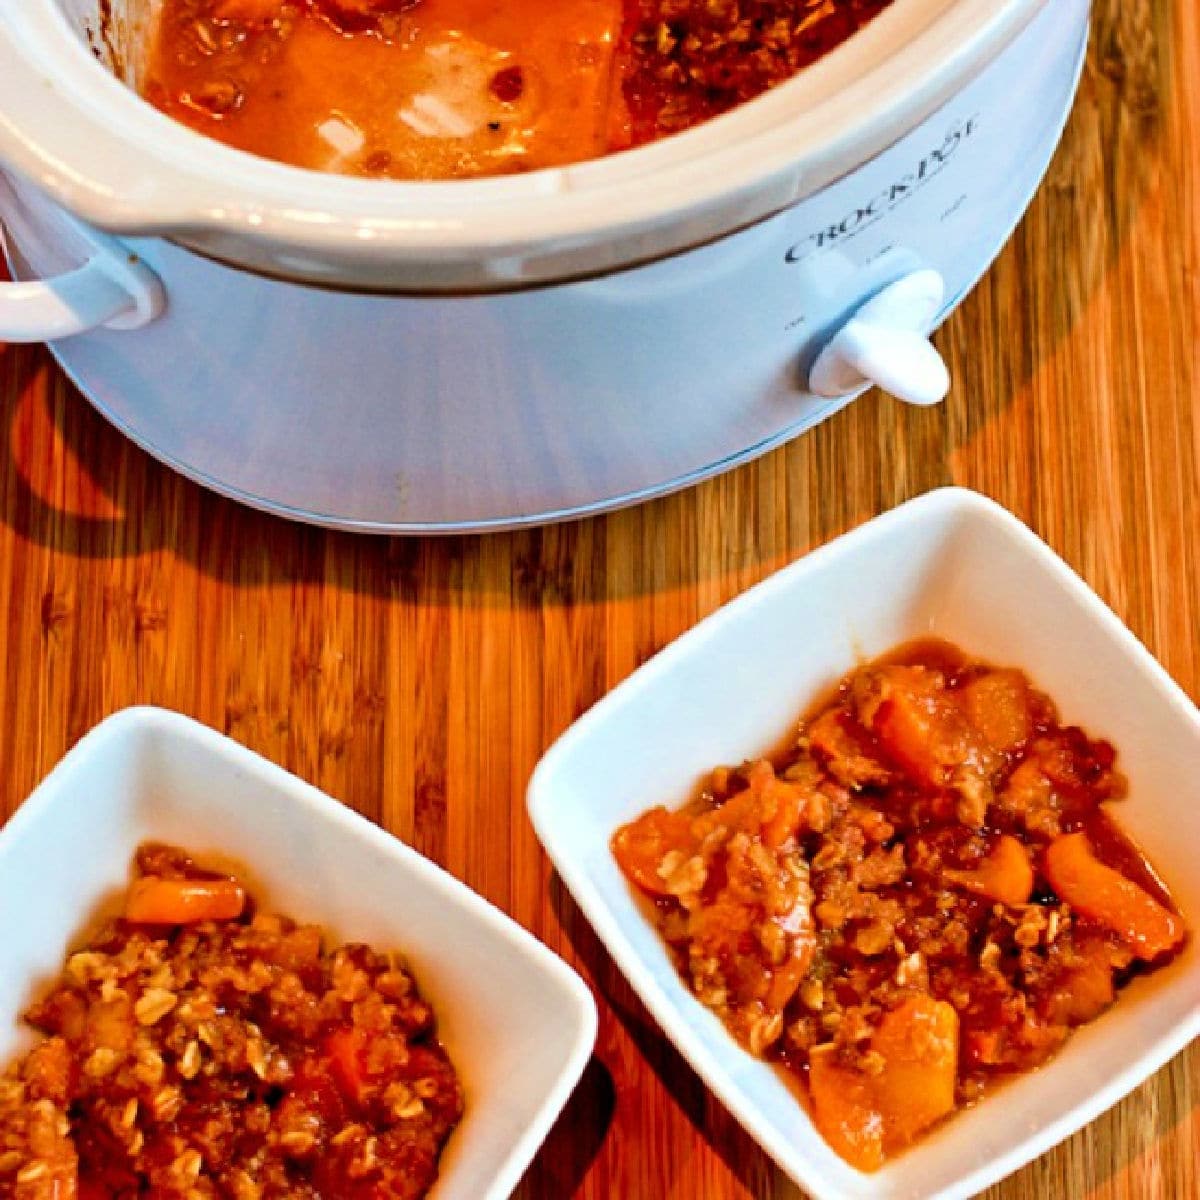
[517, 1022]
[950, 564]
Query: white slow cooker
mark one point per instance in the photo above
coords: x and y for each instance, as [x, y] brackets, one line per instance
[425, 357]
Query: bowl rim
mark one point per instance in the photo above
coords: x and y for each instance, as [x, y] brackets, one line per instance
[98, 150]
[579, 1004]
[952, 502]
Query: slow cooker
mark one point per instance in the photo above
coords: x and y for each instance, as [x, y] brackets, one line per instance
[460, 355]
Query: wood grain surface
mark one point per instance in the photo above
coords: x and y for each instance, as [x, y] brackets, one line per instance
[420, 680]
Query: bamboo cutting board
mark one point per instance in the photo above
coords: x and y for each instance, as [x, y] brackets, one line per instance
[420, 680]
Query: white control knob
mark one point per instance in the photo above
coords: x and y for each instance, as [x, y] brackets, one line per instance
[886, 343]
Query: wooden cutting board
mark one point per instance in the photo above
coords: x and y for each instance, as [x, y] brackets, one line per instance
[420, 680]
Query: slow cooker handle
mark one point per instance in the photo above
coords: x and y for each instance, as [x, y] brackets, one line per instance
[886, 342]
[64, 306]
[113, 289]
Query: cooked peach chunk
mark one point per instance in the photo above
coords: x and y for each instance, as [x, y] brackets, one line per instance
[1004, 875]
[1096, 890]
[905, 726]
[918, 728]
[154, 901]
[865, 1115]
[845, 1110]
[997, 706]
[919, 1045]
[641, 846]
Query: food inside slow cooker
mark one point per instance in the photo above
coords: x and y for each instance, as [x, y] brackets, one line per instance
[921, 896]
[201, 1048]
[435, 89]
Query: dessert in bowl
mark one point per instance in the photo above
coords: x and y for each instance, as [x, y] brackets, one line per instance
[950, 565]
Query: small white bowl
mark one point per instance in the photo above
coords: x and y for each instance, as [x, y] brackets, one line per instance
[518, 1024]
[952, 565]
